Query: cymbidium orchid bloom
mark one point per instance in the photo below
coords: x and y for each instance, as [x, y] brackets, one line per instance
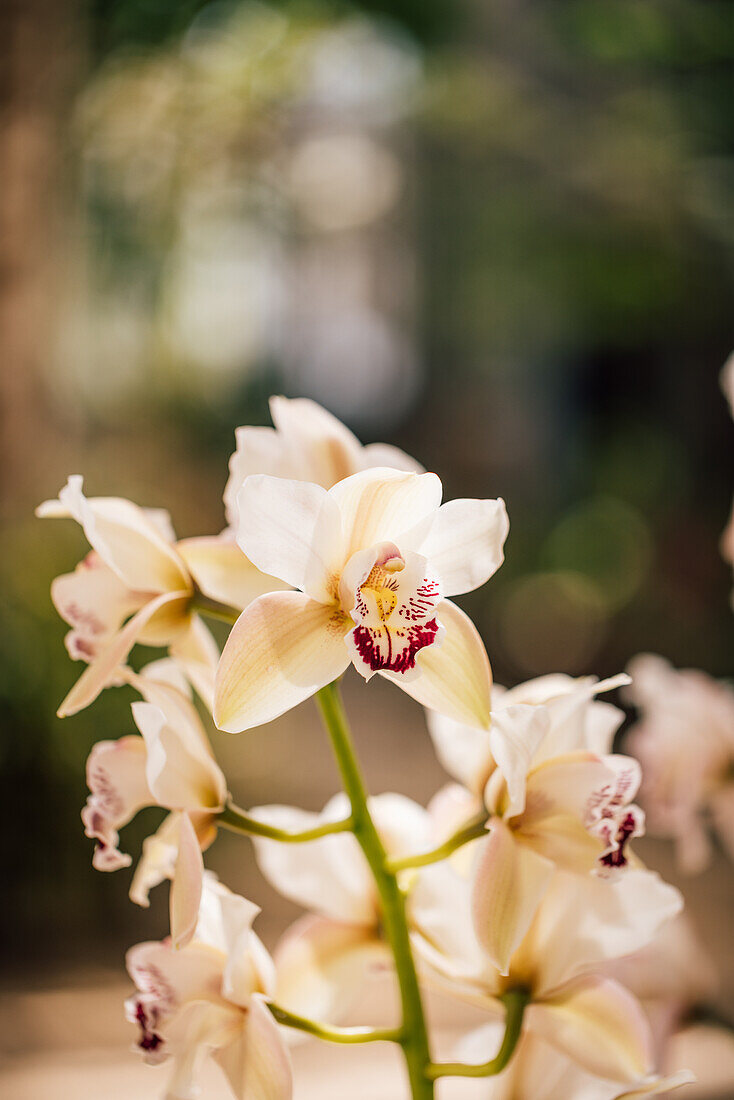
[138, 585]
[539, 1071]
[580, 924]
[170, 765]
[324, 957]
[684, 740]
[374, 559]
[551, 801]
[306, 444]
[208, 999]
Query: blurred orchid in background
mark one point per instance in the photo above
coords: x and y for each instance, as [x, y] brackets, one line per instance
[684, 740]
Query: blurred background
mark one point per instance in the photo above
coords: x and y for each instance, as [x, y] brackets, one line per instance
[498, 233]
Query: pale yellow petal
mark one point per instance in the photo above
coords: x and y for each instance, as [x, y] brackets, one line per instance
[282, 649]
[454, 675]
[98, 674]
[508, 888]
[598, 1024]
[222, 572]
[188, 875]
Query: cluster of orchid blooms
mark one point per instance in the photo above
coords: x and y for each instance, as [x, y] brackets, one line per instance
[515, 890]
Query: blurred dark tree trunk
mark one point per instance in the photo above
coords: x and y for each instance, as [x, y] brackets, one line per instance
[39, 58]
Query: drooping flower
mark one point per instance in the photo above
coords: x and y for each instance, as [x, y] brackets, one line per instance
[170, 765]
[551, 801]
[684, 740]
[580, 923]
[207, 999]
[374, 559]
[306, 444]
[324, 957]
[138, 585]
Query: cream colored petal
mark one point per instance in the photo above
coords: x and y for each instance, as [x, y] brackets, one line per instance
[463, 542]
[186, 886]
[99, 673]
[377, 505]
[177, 707]
[321, 965]
[258, 451]
[223, 573]
[384, 454]
[599, 1025]
[257, 1063]
[225, 923]
[613, 917]
[182, 774]
[514, 737]
[118, 789]
[282, 649]
[510, 881]
[653, 1086]
[464, 751]
[124, 537]
[176, 977]
[199, 1029]
[329, 875]
[158, 861]
[455, 678]
[197, 653]
[319, 445]
[291, 529]
[94, 602]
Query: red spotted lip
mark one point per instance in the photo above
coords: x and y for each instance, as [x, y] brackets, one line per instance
[393, 650]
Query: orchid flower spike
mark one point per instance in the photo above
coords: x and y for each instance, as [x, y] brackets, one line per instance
[684, 739]
[208, 1000]
[170, 765]
[324, 958]
[581, 923]
[139, 576]
[373, 559]
[306, 444]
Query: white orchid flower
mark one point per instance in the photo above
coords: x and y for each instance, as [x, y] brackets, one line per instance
[374, 559]
[324, 957]
[580, 924]
[576, 722]
[137, 575]
[207, 1000]
[539, 1071]
[306, 444]
[684, 740]
[551, 801]
[170, 765]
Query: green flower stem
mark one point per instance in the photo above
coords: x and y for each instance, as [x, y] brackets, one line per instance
[214, 609]
[515, 1002]
[239, 822]
[472, 831]
[334, 1034]
[413, 1034]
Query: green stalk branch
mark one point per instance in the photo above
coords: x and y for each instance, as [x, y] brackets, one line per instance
[214, 609]
[334, 1034]
[471, 831]
[515, 1003]
[413, 1034]
[239, 822]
